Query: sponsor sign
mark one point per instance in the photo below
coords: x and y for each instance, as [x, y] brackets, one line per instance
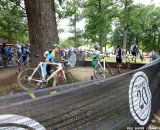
[140, 98]
[16, 122]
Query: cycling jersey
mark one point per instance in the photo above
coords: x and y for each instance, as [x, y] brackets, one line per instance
[25, 51]
[96, 57]
[96, 54]
[51, 56]
[118, 55]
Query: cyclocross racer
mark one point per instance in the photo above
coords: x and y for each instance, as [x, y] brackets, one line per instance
[50, 58]
[96, 56]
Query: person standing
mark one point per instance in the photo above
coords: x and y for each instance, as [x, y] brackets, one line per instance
[118, 52]
[153, 55]
[4, 55]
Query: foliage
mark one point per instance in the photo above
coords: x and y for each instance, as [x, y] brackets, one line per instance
[106, 22]
[143, 27]
[72, 10]
[13, 22]
[99, 16]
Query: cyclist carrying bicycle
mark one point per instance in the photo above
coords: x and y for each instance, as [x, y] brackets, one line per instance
[50, 58]
[96, 56]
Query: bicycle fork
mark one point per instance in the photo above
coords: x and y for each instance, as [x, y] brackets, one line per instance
[63, 74]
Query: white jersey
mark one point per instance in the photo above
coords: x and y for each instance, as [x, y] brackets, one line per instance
[96, 53]
[18, 48]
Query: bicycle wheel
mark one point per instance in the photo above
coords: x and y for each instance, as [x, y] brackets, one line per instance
[72, 60]
[108, 70]
[99, 72]
[24, 83]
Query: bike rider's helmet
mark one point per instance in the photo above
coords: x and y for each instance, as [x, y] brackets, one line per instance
[45, 54]
[97, 47]
[55, 46]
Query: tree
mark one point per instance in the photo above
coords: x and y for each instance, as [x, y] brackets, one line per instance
[13, 21]
[124, 18]
[42, 26]
[99, 18]
[73, 11]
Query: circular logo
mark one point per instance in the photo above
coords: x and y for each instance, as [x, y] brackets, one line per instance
[12, 121]
[140, 98]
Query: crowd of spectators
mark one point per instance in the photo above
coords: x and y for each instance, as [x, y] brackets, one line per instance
[15, 52]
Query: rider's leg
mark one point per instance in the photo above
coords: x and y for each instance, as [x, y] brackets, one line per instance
[54, 81]
[119, 63]
[48, 69]
[53, 91]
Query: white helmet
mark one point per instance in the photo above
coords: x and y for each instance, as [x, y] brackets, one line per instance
[97, 47]
[46, 53]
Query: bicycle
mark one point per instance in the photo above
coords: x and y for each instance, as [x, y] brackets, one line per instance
[35, 78]
[101, 72]
[22, 64]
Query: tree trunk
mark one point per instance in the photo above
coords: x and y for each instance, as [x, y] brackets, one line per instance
[42, 27]
[100, 26]
[9, 37]
[125, 37]
[159, 40]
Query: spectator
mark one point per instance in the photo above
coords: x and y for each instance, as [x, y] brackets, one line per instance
[25, 54]
[18, 51]
[159, 54]
[62, 53]
[4, 55]
[153, 55]
[141, 56]
[10, 53]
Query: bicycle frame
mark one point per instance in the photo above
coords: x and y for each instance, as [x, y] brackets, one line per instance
[43, 73]
[104, 64]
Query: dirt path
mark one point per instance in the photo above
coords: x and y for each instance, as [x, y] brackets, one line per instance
[84, 73]
[8, 78]
[8, 83]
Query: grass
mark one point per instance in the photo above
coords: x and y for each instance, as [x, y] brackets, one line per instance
[113, 59]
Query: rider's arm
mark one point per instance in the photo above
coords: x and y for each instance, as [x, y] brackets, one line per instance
[47, 61]
[45, 56]
[102, 55]
[50, 59]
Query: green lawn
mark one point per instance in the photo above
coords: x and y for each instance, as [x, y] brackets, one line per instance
[113, 59]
